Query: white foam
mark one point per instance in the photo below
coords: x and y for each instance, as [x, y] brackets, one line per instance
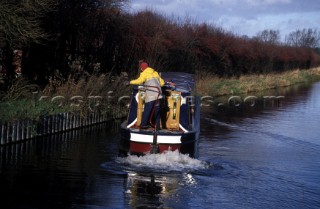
[171, 160]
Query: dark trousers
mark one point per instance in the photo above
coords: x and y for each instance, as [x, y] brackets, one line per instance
[145, 120]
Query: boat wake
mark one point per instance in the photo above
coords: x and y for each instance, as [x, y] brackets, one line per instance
[165, 162]
[216, 122]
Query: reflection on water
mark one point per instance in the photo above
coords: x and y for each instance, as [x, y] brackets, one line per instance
[151, 190]
[153, 178]
[54, 171]
[58, 144]
[148, 190]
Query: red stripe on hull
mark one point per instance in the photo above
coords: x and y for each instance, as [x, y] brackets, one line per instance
[144, 148]
[140, 147]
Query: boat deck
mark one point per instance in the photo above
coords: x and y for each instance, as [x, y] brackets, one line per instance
[137, 129]
[161, 131]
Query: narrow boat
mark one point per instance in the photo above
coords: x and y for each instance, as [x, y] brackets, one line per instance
[179, 120]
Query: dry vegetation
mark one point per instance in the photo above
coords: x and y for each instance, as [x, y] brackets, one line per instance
[92, 93]
[210, 84]
[97, 93]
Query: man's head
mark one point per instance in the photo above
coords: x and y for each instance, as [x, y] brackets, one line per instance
[143, 66]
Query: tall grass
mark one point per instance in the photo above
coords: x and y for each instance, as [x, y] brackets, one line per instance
[19, 102]
[88, 93]
[210, 84]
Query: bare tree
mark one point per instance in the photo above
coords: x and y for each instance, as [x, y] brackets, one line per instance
[309, 38]
[20, 22]
[268, 36]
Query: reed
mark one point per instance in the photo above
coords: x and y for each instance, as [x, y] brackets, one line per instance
[210, 84]
[96, 93]
[89, 93]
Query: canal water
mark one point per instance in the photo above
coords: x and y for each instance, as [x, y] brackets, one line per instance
[261, 152]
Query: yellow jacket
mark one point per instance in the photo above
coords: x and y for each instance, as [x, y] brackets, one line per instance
[150, 77]
[146, 75]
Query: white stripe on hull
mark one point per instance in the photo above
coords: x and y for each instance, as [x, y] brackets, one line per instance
[162, 139]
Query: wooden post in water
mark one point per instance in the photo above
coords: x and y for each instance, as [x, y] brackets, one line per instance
[78, 121]
[49, 124]
[73, 121]
[58, 119]
[58, 125]
[67, 121]
[54, 123]
[32, 134]
[1, 133]
[61, 122]
[90, 118]
[64, 121]
[22, 129]
[18, 130]
[28, 132]
[86, 120]
[9, 132]
[32, 129]
[27, 129]
[14, 131]
[73, 124]
[95, 117]
[82, 123]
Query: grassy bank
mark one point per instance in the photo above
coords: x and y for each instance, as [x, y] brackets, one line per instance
[98, 93]
[209, 84]
[27, 109]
